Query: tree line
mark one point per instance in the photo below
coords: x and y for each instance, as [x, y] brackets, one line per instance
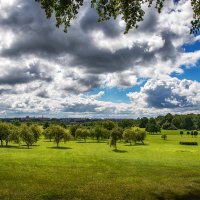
[107, 130]
[170, 122]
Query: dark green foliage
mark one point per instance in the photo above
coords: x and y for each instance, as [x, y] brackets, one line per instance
[132, 11]
[196, 133]
[17, 123]
[46, 125]
[126, 123]
[181, 133]
[143, 122]
[189, 143]
[152, 126]
[188, 123]
[73, 129]
[109, 125]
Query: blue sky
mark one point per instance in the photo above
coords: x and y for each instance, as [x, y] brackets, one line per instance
[95, 70]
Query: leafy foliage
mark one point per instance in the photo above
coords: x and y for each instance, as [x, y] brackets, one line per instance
[131, 11]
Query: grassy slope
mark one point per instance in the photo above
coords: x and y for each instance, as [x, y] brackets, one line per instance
[158, 170]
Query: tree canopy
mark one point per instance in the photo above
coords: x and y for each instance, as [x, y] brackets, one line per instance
[131, 11]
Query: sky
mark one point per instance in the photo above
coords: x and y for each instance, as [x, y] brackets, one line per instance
[95, 70]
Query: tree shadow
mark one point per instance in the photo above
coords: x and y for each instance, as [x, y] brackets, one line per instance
[59, 147]
[52, 197]
[119, 151]
[92, 142]
[189, 195]
[14, 147]
[137, 144]
[33, 145]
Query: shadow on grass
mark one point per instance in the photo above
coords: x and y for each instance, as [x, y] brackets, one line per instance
[91, 142]
[119, 151]
[193, 194]
[15, 147]
[52, 197]
[34, 145]
[59, 147]
[138, 144]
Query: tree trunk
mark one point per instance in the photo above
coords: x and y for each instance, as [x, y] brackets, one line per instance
[6, 143]
[1, 142]
[57, 144]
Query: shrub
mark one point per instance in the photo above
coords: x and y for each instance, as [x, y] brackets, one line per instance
[188, 143]
[164, 136]
[181, 133]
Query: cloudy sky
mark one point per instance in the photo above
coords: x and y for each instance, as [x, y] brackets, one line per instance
[95, 70]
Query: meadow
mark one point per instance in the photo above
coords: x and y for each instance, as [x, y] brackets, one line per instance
[160, 169]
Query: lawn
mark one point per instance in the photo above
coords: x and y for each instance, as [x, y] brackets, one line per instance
[157, 170]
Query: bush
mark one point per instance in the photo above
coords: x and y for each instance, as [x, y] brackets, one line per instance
[164, 136]
[188, 143]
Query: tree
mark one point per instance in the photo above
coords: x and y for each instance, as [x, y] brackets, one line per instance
[126, 123]
[196, 133]
[181, 133]
[129, 135]
[99, 133]
[36, 131]
[27, 135]
[48, 133]
[73, 129]
[4, 133]
[188, 123]
[109, 125]
[59, 133]
[132, 11]
[164, 136]
[115, 135]
[152, 126]
[140, 135]
[82, 133]
[143, 122]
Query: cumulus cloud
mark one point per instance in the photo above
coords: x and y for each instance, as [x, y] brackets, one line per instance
[170, 95]
[43, 69]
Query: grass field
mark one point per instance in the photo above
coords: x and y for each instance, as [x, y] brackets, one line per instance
[157, 170]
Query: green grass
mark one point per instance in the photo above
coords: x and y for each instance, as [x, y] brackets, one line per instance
[157, 170]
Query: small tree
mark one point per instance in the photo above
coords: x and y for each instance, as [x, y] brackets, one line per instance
[27, 135]
[58, 133]
[140, 135]
[109, 125]
[115, 135]
[129, 135]
[48, 133]
[82, 133]
[164, 136]
[181, 133]
[4, 133]
[195, 133]
[188, 133]
[36, 131]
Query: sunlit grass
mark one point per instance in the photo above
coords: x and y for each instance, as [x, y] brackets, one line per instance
[157, 170]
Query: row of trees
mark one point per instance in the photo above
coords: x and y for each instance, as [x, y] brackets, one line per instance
[170, 122]
[24, 133]
[29, 134]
